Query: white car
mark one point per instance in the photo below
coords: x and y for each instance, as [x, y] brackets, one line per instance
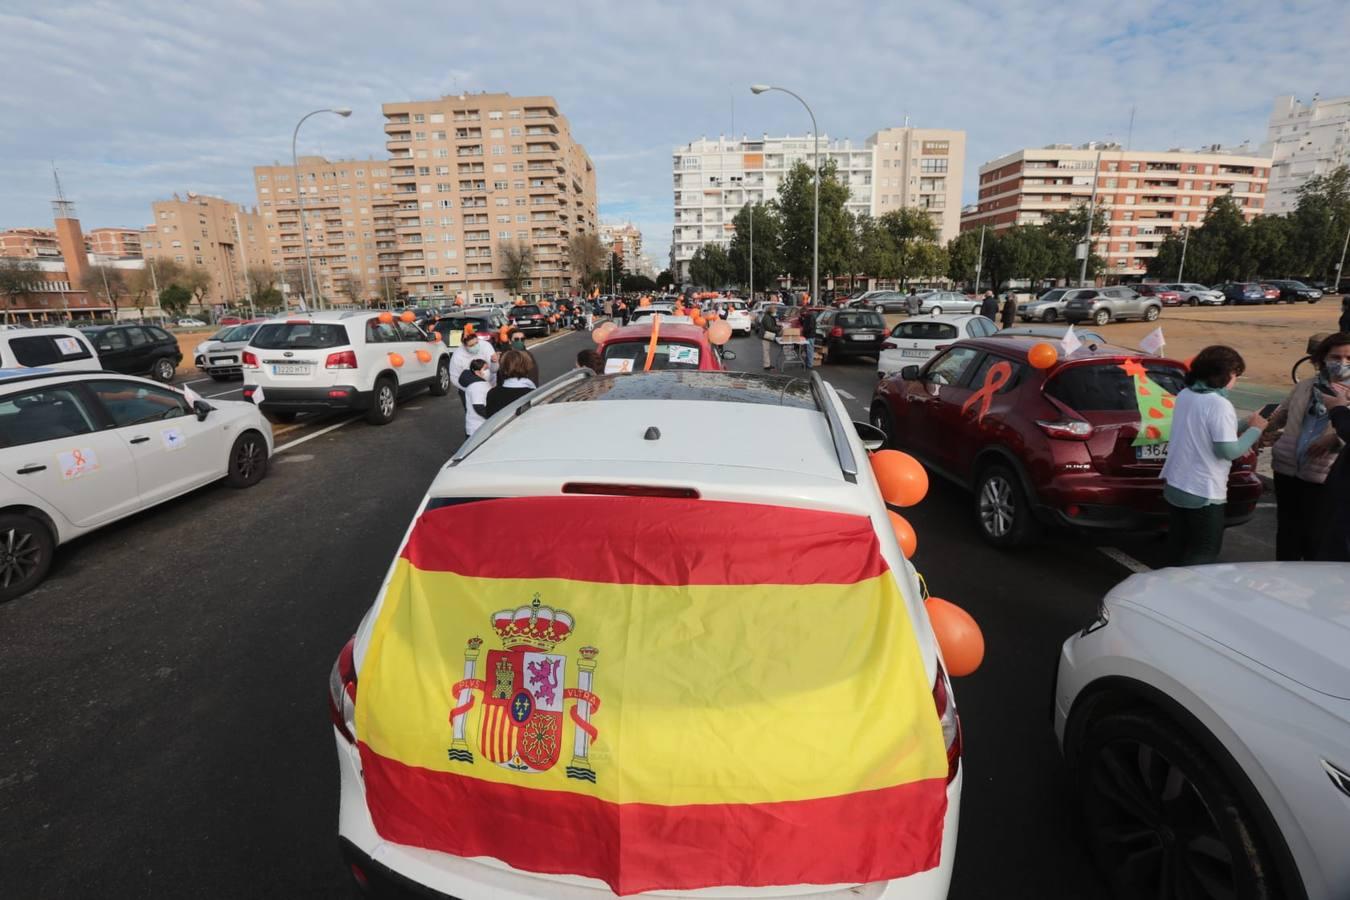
[611, 461]
[1205, 716]
[84, 449]
[667, 314]
[342, 360]
[737, 315]
[190, 323]
[64, 349]
[916, 340]
[1196, 294]
[219, 356]
[938, 302]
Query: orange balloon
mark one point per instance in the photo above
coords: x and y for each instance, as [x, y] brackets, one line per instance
[396, 360]
[958, 636]
[904, 534]
[520, 301]
[468, 328]
[408, 316]
[386, 317]
[645, 301]
[1042, 356]
[423, 356]
[699, 320]
[602, 332]
[459, 301]
[719, 332]
[902, 478]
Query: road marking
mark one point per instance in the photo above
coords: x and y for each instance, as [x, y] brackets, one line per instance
[845, 394]
[1266, 505]
[285, 428]
[309, 437]
[224, 393]
[549, 340]
[197, 381]
[1124, 559]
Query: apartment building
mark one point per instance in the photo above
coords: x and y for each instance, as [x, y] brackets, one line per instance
[1303, 140]
[1146, 195]
[223, 237]
[30, 243]
[894, 168]
[114, 243]
[623, 239]
[349, 218]
[474, 173]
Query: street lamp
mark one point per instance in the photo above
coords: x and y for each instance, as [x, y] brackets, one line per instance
[815, 219]
[300, 194]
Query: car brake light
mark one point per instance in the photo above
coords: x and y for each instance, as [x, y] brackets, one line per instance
[343, 359]
[1066, 429]
[342, 692]
[887, 345]
[950, 721]
[629, 490]
[250, 361]
[836, 331]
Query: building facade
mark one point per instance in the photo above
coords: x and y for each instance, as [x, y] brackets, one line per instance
[475, 173]
[222, 237]
[349, 218]
[894, 168]
[1303, 140]
[1146, 195]
[114, 243]
[29, 243]
[624, 239]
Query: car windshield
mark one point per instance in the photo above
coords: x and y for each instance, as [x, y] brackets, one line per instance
[925, 331]
[1106, 386]
[1052, 296]
[860, 320]
[767, 390]
[300, 336]
[668, 355]
[526, 310]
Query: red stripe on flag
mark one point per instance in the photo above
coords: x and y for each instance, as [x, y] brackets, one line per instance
[634, 847]
[645, 540]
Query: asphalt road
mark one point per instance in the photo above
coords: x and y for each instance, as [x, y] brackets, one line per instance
[164, 701]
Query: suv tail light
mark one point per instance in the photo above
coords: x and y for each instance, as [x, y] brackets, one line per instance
[342, 693]
[950, 721]
[889, 345]
[343, 359]
[836, 331]
[250, 360]
[1066, 429]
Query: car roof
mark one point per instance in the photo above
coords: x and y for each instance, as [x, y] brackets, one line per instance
[949, 318]
[53, 330]
[324, 315]
[1019, 345]
[641, 330]
[15, 376]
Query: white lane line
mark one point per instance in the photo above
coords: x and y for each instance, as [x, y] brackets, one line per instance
[845, 394]
[225, 393]
[197, 381]
[309, 437]
[1266, 505]
[549, 340]
[1124, 559]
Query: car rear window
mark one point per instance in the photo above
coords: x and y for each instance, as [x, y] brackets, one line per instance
[768, 390]
[860, 320]
[525, 310]
[43, 350]
[1107, 386]
[668, 355]
[300, 336]
[925, 331]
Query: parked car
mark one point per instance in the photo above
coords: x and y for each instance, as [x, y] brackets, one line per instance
[918, 339]
[1243, 292]
[190, 323]
[81, 450]
[229, 320]
[884, 301]
[695, 464]
[136, 350]
[1053, 333]
[1049, 306]
[529, 319]
[1163, 293]
[487, 322]
[737, 315]
[51, 348]
[1272, 293]
[342, 360]
[952, 302]
[845, 333]
[679, 345]
[1196, 294]
[777, 310]
[1112, 304]
[1053, 446]
[1205, 719]
[220, 356]
[667, 314]
[1295, 291]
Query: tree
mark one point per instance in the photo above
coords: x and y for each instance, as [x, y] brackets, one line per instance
[1270, 249]
[664, 280]
[108, 282]
[262, 287]
[711, 267]
[1165, 265]
[963, 256]
[874, 249]
[768, 258]
[350, 289]
[913, 238]
[197, 281]
[587, 258]
[1321, 221]
[635, 283]
[517, 263]
[17, 277]
[1224, 237]
[174, 300]
[1065, 230]
[795, 210]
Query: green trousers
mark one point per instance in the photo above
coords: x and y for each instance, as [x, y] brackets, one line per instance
[1195, 536]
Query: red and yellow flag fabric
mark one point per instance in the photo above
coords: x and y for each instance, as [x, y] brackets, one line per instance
[658, 693]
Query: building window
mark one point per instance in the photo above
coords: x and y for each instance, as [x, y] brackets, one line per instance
[498, 150]
[438, 135]
[494, 114]
[933, 165]
[419, 118]
[496, 133]
[437, 117]
[447, 204]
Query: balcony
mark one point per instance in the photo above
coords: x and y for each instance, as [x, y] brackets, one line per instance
[466, 152]
[398, 137]
[396, 119]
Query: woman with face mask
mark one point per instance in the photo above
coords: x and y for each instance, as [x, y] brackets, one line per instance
[1305, 446]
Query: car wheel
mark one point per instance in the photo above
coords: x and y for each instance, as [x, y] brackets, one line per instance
[1162, 820]
[248, 460]
[26, 548]
[281, 418]
[881, 417]
[1191, 301]
[384, 403]
[163, 370]
[1051, 315]
[1150, 313]
[1101, 316]
[1001, 509]
[440, 385]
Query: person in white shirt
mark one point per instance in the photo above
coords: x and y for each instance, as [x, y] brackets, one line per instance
[471, 348]
[1203, 444]
[475, 396]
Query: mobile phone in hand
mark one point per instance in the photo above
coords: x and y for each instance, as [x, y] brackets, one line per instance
[1268, 410]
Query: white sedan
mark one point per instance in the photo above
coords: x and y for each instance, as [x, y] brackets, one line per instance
[737, 316]
[916, 340]
[1205, 716]
[84, 449]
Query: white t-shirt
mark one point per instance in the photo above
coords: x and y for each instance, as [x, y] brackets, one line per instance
[1198, 422]
[462, 356]
[474, 395]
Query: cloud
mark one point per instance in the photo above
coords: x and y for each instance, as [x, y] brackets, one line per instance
[136, 100]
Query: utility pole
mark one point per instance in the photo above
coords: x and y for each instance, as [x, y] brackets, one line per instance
[1087, 236]
[1341, 265]
[1186, 239]
[979, 260]
[752, 252]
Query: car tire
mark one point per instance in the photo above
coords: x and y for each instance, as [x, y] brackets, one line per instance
[1002, 512]
[1150, 794]
[1050, 315]
[880, 417]
[1101, 317]
[1192, 301]
[1151, 313]
[935, 311]
[440, 385]
[281, 418]
[383, 402]
[26, 548]
[248, 460]
[162, 370]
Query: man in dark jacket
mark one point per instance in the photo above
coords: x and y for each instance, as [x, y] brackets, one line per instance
[808, 324]
[989, 306]
[768, 330]
[1009, 310]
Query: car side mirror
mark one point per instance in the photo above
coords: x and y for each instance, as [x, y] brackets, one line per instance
[910, 373]
[872, 437]
[202, 409]
[729, 354]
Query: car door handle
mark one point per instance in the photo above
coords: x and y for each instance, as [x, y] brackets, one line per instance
[29, 470]
[138, 440]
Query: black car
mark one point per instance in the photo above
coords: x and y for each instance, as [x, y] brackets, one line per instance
[1292, 291]
[487, 322]
[849, 332]
[136, 350]
[529, 319]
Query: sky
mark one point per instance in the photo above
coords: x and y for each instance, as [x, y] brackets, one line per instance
[137, 100]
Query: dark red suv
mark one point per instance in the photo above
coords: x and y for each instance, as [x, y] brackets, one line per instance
[1054, 446]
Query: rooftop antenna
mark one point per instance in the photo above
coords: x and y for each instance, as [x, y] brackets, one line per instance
[61, 207]
[1129, 135]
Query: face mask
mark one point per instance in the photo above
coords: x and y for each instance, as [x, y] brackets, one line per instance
[470, 345]
[1336, 370]
[517, 345]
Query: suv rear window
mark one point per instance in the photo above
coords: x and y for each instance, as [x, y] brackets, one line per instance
[300, 336]
[43, 350]
[668, 355]
[860, 320]
[1106, 386]
[525, 311]
[925, 331]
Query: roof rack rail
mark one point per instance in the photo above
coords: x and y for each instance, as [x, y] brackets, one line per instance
[848, 464]
[511, 413]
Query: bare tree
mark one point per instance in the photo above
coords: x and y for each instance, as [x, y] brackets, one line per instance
[108, 282]
[517, 262]
[198, 283]
[349, 287]
[17, 277]
[587, 258]
[141, 286]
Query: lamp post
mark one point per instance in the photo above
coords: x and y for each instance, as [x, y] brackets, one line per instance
[815, 218]
[1087, 235]
[300, 194]
[1185, 241]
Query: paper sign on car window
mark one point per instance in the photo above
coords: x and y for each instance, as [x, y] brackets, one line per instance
[68, 346]
[618, 366]
[456, 338]
[683, 355]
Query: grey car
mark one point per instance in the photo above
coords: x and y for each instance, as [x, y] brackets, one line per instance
[1049, 307]
[1112, 304]
[1195, 294]
[950, 302]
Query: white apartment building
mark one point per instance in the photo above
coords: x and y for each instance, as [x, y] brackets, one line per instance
[1303, 140]
[894, 168]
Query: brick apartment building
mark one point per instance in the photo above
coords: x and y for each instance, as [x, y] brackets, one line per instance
[114, 243]
[199, 230]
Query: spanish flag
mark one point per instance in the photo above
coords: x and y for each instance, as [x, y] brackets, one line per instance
[659, 693]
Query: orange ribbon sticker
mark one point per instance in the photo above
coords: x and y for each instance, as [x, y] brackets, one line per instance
[997, 376]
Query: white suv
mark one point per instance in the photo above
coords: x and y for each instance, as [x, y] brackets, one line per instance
[64, 349]
[711, 638]
[341, 360]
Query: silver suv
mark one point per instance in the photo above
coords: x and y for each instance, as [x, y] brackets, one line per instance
[1104, 305]
[1049, 307]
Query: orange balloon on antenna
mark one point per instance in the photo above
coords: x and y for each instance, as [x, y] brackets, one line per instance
[719, 333]
[386, 317]
[1042, 355]
[958, 635]
[902, 479]
[904, 534]
[408, 316]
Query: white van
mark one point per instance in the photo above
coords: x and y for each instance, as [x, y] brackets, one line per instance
[60, 349]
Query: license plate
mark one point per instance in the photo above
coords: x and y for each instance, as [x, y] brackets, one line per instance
[1151, 452]
[863, 337]
[290, 370]
[914, 353]
[223, 359]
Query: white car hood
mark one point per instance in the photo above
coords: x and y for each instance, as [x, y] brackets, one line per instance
[207, 347]
[1293, 618]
